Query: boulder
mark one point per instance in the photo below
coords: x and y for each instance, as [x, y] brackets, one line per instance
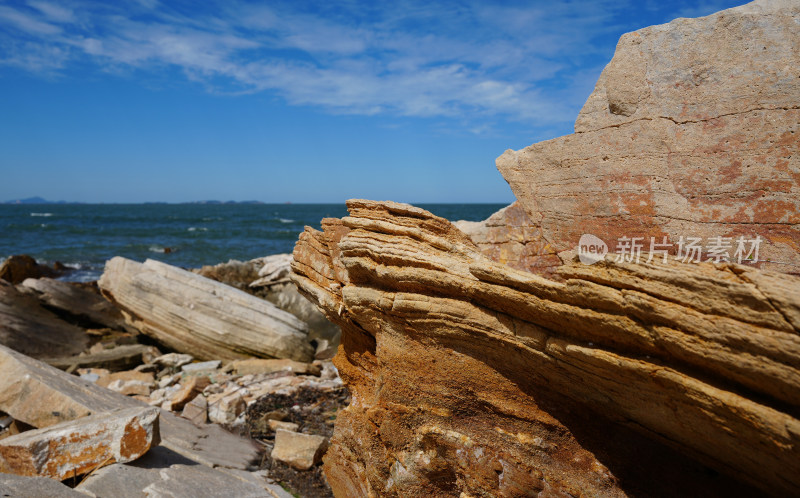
[82, 303]
[27, 327]
[470, 376]
[74, 448]
[257, 366]
[40, 487]
[693, 130]
[129, 383]
[118, 358]
[198, 316]
[511, 238]
[300, 451]
[16, 269]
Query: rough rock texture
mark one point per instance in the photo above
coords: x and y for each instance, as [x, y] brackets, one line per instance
[693, 130]
[27, 327]
[509, 237]
[15, 269]
[201, 317]
[74, 448]
[118, 358]
[468, 375]
[300, 451]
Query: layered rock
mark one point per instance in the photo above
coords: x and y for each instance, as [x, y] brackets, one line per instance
[510, 237]
[470, 376]
[693, 130]
[202, 317]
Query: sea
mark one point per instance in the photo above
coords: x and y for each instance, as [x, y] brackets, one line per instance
[85, 236]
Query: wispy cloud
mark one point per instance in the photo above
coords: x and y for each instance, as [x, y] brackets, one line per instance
[405, 58]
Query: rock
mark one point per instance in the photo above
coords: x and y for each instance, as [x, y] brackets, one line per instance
[40, 395]
[174, 360]
[164, 473]
[275, 425]
[196, 410]
[276, 269]
[77, 447]
[693, 130]
[325, 350]
[201, 317]
[235, 273]
[188, 391]
[300, 451]
[257, 366]
[34, 487]
[118, 358]
[511, 238]
[129, 383]
[27, 327]
[459, 365]
[16, 269]
[225, 408]
[284, 295]
[199, 368]
[81, 302]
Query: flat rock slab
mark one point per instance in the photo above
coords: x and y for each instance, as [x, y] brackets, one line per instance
[40, 395]
[84, 303]
[26, 326]
[300, 451]
[257, 366]
[34, 487]
[199, 316]
[119, 358]
[77, 447]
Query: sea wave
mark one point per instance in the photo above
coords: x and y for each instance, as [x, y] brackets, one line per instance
[194, 229]
[42, 214]
[285, 220]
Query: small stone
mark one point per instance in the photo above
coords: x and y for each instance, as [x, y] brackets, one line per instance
[74, 448]
[257, 366]
[225, 408]
[300, 451]
[128, 383]
[286, 426]
[174, 360]
[196, 410]
[188, 391]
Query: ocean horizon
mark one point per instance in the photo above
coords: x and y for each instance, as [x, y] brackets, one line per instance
[187, 235]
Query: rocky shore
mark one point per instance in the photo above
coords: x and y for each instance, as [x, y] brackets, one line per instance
[630, 326]
[158, 381]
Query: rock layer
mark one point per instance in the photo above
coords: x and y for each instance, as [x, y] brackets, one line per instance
[693, 130]
[202, 317]
[470, 376]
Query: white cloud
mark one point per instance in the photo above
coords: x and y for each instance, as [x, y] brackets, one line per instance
[404, 58]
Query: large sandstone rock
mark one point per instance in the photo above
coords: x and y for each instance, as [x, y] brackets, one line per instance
[693, 130]
[202, 317]
[15, 269]
[470, 376]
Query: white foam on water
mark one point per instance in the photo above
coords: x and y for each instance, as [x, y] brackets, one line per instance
[285, 220]
[42, 214]
[194, 229]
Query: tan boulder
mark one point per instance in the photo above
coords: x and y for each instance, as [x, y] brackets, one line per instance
[300, 451]
[693, 130]
[257, 366]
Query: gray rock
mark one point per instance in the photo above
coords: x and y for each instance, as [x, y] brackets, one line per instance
[185, 480]
[15, 486]
[201, 367]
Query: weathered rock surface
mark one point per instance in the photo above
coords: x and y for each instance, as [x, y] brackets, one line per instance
[118, 358]
[27, 327]
[74, 448]
[41, 396]
[12, 485]
[693, 130]
[300, 451]
[469, 376]
[201, 317]
[15, 269]
[257, 366]
[511, 238]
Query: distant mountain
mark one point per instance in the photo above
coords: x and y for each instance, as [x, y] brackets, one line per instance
[223, 202]
[36, 200]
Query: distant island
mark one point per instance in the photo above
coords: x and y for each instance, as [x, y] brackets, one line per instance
[40, 200]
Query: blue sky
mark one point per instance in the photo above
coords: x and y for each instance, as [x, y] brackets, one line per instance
[148, 100]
